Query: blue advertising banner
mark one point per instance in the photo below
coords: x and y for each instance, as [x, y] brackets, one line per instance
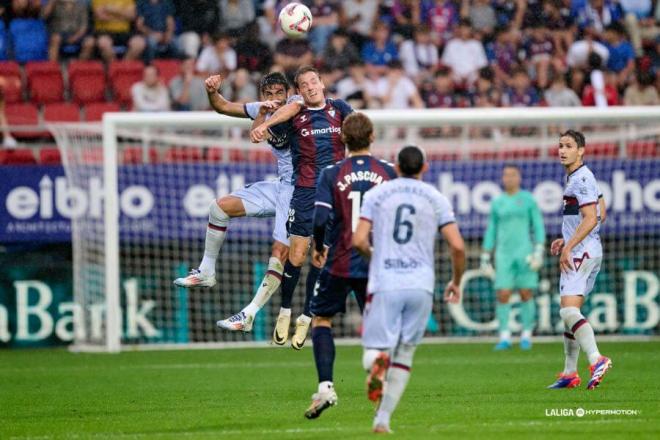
[170, 201]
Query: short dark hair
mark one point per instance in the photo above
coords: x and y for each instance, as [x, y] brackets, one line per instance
[511, 165]
[356, 131]
[411, 159]
[272, 79]
[577, 136]
[305, 69]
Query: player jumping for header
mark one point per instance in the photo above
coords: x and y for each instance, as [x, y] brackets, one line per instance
[340, 191]
[404, 216]
[513, 215]
[314, 134]
[260, 199]
[580, 253]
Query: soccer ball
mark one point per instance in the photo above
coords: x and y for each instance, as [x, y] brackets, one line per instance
[295, 20]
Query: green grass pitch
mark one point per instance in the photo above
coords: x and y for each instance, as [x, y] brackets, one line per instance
[456, 391]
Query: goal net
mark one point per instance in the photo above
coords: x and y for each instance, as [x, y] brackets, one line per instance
[151, 178]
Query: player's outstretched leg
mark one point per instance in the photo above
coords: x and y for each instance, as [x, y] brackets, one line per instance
[584, 335]
[528, 317]
[397, 380]
[376, 362]
[502, 311]
[324, 358]
[243, 320]
[290, 278]
[216, 231]
[303, 321]
[569, 377]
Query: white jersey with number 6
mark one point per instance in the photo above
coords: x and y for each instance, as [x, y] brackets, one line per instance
[406, 215]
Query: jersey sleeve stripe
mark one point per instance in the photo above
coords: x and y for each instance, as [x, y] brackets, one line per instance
[446, 224]
[327, 205]
[366, 219]
[245, 110]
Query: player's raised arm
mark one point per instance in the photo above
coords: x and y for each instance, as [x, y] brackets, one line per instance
[587, 224]
[218, 102]
[282, 114]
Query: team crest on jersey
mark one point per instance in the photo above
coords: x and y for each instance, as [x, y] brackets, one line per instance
[331, 112]
[303, 118]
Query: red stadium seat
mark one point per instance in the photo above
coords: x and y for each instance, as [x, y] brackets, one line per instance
[168, 69]
[134, 155]
[87, 81]
[122, 75]
[219, 155]
[93, 156]
[646, 148]
[259, 155]
[45, 82]
[603, 149]
[50, 156]
[10, 68]
[23, 120]
[121, 90]
[94, 112]
[183, 154]
[10, 82]
[19, 156]
[61, 112]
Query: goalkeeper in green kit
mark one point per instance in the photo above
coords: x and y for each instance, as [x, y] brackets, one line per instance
[516, 232]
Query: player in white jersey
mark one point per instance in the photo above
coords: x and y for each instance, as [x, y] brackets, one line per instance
[260, 199]
[403, 216]
[580, 253]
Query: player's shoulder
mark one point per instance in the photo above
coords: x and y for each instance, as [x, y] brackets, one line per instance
[341, 105]
[582, 176]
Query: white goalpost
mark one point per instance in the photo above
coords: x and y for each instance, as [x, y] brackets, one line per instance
[151, 177]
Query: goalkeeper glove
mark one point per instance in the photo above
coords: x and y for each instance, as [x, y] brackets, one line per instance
[535, 259]
[485, 265]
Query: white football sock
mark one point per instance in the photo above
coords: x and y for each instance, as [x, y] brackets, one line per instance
[325, 386]
[505, 335]
[526, 334]
[215, 236]
[582, 330]
[368, 357]
[285, 312]
[269, 285]
[397, 380]
[572, 352]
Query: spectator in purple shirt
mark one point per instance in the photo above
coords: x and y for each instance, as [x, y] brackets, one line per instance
[539, 51]
[503, 54]
[521, 93]
[440, 93]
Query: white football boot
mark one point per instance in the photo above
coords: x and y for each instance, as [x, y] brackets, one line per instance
[196, 279]
[240, 322]
[321, 401]
[281, 332]
[300, 334]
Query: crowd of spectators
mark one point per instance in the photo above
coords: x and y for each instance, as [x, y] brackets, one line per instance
[392, 54]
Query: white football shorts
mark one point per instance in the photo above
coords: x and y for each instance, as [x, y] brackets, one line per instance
[581, 280]
[268, 199]
[395, 316]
